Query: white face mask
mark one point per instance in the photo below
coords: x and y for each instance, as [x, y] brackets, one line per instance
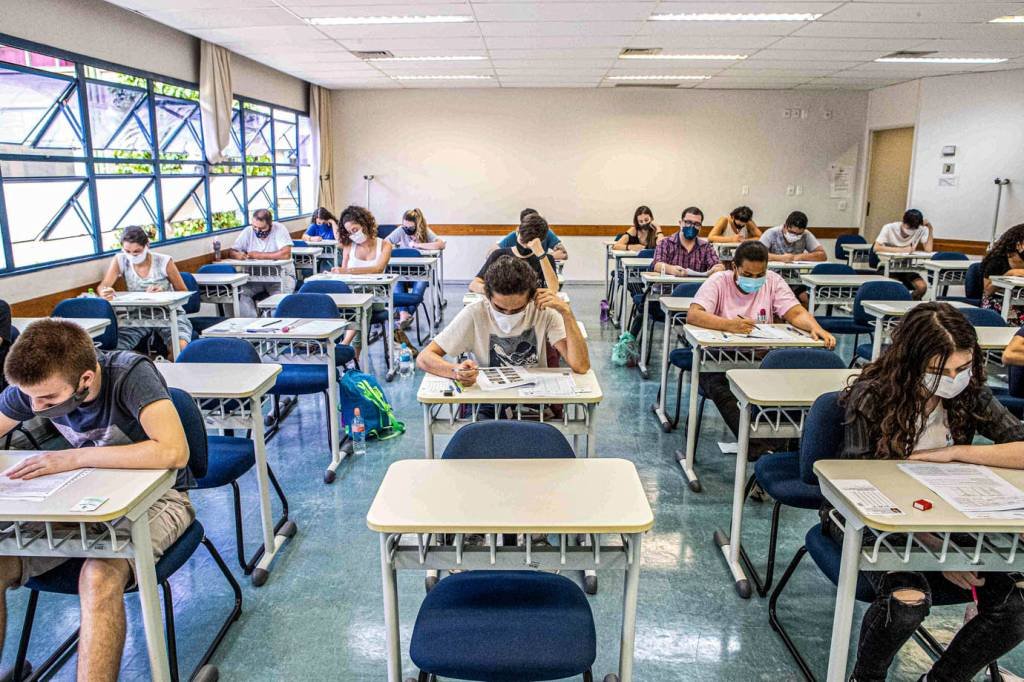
[138, 259]
[357, 237]
[907, 231]
[790, 237]
[505, 322]
[946, 387]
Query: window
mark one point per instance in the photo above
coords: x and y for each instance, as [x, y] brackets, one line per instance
[87, 150]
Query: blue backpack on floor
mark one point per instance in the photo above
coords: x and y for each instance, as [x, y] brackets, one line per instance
[364, 391]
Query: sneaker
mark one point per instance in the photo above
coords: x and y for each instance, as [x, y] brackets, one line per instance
[758, 494]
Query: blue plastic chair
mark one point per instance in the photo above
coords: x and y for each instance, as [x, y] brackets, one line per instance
[682, 358]
[832, 269]
[217, 268]
[94, 308]
[320, 307]
[843, 240]
[192, 304]
[949, 255]
[200, 323]
[230, 458]
[974, 287]
[409, 296]
[873, 291]
[64, 578]
[1012, 397]
[983, 317]
[325, 286]
[505, 626]
[384, 230]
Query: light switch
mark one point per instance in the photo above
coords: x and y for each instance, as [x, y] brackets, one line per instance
[842, 205]
[799, 190]
[745, 190]
[790, 190]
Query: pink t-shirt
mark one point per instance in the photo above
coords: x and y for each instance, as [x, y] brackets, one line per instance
[720, 296]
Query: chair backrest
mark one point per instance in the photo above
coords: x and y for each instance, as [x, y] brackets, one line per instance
[877, 291]
[822, 437]
[217, 268]
[384, 230]
[802, 358]
[94, 308]
[983, 317]
[645, 253]
[508, 439]
[873, 261]
[949, 255]
[195, 430]
[832, 269]
[844, 239]
[405, 253]
[192, 304]
[307, 305]
[219, 350]
[324, 286]
[974, 282]
[299, 242]
[686, 289]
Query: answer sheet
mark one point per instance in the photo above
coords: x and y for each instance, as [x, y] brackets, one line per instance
[867, 498]
[37, 489]
[967, 487]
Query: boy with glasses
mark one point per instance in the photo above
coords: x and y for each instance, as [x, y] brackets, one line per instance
[792, 241]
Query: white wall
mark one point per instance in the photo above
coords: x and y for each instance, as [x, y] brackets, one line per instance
[894, 106]
[589, 157]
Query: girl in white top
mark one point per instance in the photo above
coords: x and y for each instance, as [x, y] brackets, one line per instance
[144, 270]
[363, 252]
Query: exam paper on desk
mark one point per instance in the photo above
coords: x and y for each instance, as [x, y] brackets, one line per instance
[37, 489]
[969, 488]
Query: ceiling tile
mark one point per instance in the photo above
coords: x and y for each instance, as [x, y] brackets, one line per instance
[624, 29]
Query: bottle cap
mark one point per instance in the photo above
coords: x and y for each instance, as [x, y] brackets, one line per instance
[356, 412]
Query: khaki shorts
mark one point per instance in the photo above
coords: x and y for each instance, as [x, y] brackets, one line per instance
[168, 518]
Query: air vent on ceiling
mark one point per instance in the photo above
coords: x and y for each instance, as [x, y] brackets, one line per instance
[639, 51]
[662, 86]
[373, 54]
[909, 54]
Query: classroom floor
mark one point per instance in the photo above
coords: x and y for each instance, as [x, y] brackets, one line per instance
[320, 616]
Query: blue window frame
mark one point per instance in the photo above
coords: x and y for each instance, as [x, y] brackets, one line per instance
[88, 149]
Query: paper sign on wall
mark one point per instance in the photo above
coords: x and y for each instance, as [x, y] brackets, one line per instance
[840, 181]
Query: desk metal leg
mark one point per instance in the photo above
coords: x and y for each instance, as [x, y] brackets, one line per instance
[428, 431]
[389, 335]
[660, 410]
[387, 572]
[235, 289]
[730, 544]
[591, 431]
[337, 454]
[642, 364]
[629, 600]
[175, 337]
[145, 574]
[364, 338]
[1007, 298]
[271, 541]
[624, 313]
[876, 343]
[686, 460]
[810, 299]
[846, 589]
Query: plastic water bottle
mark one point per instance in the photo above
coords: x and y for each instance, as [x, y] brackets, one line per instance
[216, 249]
[405, 366]
[358, 433]
[91, 293]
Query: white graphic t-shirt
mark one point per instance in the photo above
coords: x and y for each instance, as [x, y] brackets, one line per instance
[473, 331]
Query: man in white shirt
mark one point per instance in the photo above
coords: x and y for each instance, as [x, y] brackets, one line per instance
[913, 234]
[263, 240]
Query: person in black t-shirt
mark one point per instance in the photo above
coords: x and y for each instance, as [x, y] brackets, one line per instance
[529, 248]
[1006, 258]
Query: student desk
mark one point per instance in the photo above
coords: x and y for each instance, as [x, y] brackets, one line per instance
[125, 521]
[903, 262]
[998, 545]
[773, 405]
[1013, 292]
[725, 250]
[993, 341]
[230, 396]
[328, 250]
[887, 313]
[835, 289]
[858, 255]
[382, 288]
[573, 423]
[793, 272]
[424, 499]
[221, 288]
[437, 255]
[609, 265]
[94, 326]
[656, 285]
[354, 308]
[306, 257]
[675, 309]
[734, 352]
[261, 271]
[419, 269]
[157, 310]
[631, 268]
[942, 274]
[311, 342]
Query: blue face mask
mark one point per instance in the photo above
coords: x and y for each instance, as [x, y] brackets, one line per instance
[691, 232]
[749, 285]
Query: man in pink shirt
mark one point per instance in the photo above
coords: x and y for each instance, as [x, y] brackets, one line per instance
[734, 301]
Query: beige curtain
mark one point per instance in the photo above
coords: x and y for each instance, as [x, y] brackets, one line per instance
[323, 146]
[215, 99]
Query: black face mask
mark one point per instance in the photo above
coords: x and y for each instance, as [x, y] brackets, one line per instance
[409, 230]
[66, 407]
[261, 234]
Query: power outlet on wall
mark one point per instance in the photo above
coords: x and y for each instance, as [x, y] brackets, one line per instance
[799, 190]
[842, 205]
[745, 190]
[790, 190]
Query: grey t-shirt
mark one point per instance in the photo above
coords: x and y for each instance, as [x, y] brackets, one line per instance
[776, 242]
[129, 383]
[399, 238]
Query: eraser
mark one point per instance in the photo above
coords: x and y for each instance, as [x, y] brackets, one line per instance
[922, 504]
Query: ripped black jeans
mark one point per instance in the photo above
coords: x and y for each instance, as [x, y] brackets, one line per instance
[890, 622]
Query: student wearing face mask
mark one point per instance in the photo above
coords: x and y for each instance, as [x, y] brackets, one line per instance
[414, 233]
[736, 227]
[644, 234]
[144, 270]
[264, 239]
[363, 252]
[792, 241]
[552, 243]
[913, 234]
[512, 326]
[934, 349]
[529, 248]
[1004, 259]
[734, 301]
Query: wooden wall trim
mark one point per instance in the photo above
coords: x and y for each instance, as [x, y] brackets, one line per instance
[962, 246]
[497, 230]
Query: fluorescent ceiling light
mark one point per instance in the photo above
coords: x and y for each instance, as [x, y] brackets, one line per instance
[658, 78]
[453, 58]
[695, 57]
[941, 60]
[439, 77]
[1009, 19]
[719, 16]
[348, 21]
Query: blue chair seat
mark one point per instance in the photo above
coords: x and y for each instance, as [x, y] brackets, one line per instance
[961, 299]
[407, 300]
[864, 351]
[504, 626]
[378, 316]
[779, 475]
[64, 578]
[230, 458]
[300, 380]
[343, 354]
[842, 325]
[682, 358]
